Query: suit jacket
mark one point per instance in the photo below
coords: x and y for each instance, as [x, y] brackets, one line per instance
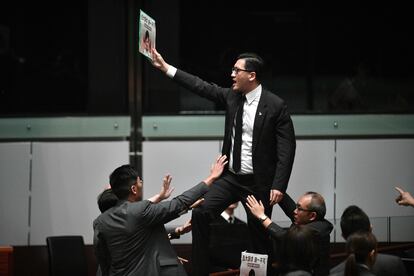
[130, 238]
[273, 147]
[322, 227]
[221, 220]
[385, 265]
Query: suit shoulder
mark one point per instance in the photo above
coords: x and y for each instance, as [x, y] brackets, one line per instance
[272, 98]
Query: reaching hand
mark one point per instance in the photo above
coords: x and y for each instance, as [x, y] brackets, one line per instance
[217, 168]
[197, 203]
[404, 198]
[255, 207]
[185, 228]
[158, 61]
[166, 190]
[275, 196]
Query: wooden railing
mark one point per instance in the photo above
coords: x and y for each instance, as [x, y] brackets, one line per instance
[6, 261]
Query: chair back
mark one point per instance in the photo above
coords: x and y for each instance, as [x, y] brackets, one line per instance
[66, 256]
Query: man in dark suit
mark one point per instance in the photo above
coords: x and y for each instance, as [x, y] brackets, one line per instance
[107, 199]
[130, 238]
[353, 220]
[310, 211]
[258, 138]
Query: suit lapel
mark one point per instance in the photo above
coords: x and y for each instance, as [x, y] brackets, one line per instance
[259, 119]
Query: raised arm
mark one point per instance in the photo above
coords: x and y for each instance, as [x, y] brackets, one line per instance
[158, 61]
[257, 209]
[166, 211]
[165, 192]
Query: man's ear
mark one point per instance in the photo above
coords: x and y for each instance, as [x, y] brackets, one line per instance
[312, 216]
[372, 256]
[134, 189]
[252, 76]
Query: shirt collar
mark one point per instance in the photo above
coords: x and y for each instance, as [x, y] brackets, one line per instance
[255, 93]
[225, 215]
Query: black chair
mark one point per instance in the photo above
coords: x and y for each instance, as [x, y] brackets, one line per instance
[67, 256]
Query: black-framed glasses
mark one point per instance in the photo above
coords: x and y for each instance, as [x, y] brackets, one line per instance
[303, 209]
[236, 70]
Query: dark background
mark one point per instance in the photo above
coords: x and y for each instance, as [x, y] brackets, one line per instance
[72, 57]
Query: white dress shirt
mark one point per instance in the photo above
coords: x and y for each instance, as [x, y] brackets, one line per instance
[249, 113]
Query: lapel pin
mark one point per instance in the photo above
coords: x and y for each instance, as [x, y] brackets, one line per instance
[260, 113]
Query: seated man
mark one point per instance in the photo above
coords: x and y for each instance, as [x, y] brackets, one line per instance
[228, 238]
[354, 220]
[130, 238]
[310, 211]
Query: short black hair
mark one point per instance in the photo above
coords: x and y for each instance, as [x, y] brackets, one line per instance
[253, 63]
[353, 220]
[107, 199]
[121, 180]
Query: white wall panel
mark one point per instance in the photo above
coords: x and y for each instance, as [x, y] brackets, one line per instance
[368, 171]
[67, 177]
[14, 193]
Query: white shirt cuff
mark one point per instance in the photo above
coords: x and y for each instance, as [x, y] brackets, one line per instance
[171, 71]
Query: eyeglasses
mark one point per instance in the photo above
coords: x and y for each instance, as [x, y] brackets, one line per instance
[303, 209]
[236, 70]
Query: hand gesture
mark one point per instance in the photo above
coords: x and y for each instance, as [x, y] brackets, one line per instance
[197, 203]
[404, 198]
[185, 228]
[218, 166]
[158, 61]
[256, 207]
[275, 196]
[166, 190]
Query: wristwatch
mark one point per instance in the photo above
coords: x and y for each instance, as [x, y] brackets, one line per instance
[263, 218]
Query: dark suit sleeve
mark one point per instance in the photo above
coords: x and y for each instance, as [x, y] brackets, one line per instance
[165, 211]
[286, 146]
[101, 251]
[288, 206]
[202, 88]
[276, 231]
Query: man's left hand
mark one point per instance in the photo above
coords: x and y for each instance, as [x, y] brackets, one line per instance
[275, 196]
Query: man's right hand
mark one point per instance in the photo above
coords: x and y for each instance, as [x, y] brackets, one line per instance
[216, 169]
[158, 61]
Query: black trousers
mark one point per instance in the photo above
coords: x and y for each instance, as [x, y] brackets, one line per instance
[228, 189]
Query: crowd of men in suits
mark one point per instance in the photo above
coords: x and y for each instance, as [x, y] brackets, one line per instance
[254, 169]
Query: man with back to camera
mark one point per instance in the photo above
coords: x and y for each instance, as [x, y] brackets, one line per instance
[353, 220]
[130, 238]
[260, 141]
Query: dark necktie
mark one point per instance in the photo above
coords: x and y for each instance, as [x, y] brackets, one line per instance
[231, 220]
[238, 136]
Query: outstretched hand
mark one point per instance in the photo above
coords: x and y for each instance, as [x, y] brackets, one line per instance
[404, 198]
[185, 228]
[158, 61]
[216, 169]
[166, 190]
[197, 203]
[256, 207]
